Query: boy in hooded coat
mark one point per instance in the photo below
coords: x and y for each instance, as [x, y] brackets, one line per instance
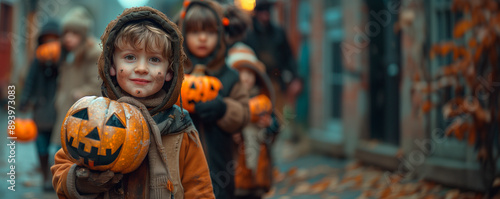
[184, 172]
[202, 25]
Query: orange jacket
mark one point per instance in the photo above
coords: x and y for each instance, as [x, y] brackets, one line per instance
[193, 171]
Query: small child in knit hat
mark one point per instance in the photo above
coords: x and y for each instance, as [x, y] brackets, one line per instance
[254, 142]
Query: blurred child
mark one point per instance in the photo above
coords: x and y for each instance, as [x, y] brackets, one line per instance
[254, 169]
[39, 91]
[201, 23]
[78, 76]
[142, 64]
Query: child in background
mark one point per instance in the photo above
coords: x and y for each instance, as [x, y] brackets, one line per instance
[201, 23]
[39, 91]
[142, 64]
[77, 76]
[254, 168]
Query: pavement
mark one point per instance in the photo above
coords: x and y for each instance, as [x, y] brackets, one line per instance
[298, 174]
[28, 179]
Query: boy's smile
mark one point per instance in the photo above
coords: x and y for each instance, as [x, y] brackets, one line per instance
[139, 72]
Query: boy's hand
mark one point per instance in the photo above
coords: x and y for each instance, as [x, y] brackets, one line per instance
[91, 182]
[212, 110]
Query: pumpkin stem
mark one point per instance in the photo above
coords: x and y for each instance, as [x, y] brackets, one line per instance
[199, 70]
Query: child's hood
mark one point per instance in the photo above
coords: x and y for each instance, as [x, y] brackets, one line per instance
[172, 88]
[216, 59]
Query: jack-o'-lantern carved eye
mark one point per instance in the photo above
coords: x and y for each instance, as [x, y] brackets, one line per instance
[114, 121]
[82, 114]
[197, 87]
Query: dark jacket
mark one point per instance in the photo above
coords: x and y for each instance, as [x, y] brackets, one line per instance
[272, 48]
[217, 137]
[40, 86]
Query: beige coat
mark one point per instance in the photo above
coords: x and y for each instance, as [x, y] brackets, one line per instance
[76, 80]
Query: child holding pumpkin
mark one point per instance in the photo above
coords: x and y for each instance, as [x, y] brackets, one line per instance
[39, 91]
[254, 169]
[141, 64]
[217, 119]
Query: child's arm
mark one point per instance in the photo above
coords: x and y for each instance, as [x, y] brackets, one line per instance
[71, 181]
[237, 114]
[60, 171]
[193, 169]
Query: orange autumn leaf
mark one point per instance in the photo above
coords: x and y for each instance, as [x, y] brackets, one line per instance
[385, 193]
[443, 48]
[461, 27]
[427, 106]
[292, 171]
[320, 186]
[472, 43]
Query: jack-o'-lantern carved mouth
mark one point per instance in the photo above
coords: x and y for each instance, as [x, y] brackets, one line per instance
[95, 160]
[92, 158]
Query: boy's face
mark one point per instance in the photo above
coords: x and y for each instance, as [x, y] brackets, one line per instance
[201, 43]
[247, 78]
[138, 72]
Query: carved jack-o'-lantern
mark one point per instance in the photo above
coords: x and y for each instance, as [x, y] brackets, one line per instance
[197, 87]
[259, 105]
[25, 130]
[102, 134]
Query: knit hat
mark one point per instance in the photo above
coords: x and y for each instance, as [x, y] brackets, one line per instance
[242, 56]
[49, 28]
[78, 20]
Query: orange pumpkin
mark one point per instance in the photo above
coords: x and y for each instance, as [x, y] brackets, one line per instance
[259, 105]
[197, 87]
[49, 52]
[25, 130]
[102, 134]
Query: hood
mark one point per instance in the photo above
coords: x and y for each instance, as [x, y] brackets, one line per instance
[50, 28]
[242, 56]
[172, 88]
[216, 59]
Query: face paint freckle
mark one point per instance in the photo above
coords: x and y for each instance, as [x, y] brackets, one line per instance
[121, 70]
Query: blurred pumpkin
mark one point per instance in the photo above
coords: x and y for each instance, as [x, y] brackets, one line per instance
[25, 130]
[102, 134]
[197, 87]
[259, 105]
[49, 52]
